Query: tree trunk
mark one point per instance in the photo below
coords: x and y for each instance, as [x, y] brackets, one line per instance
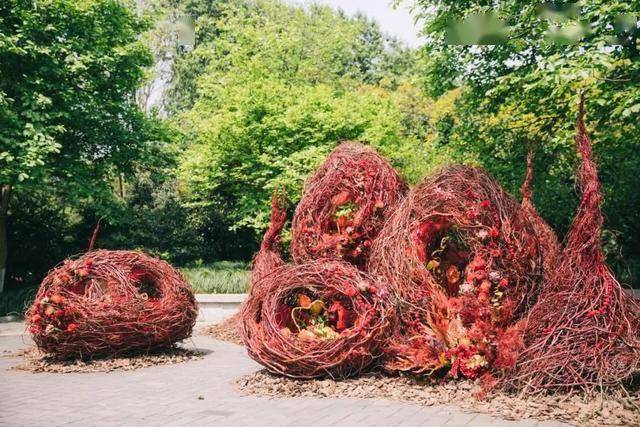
[5, 194]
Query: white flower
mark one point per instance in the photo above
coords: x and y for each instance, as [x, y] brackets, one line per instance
[495, 276]
[466, 288]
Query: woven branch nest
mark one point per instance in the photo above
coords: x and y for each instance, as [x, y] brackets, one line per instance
[344, 205]
[317, 319]
[464, 264]
[107, 303]
[585, 329]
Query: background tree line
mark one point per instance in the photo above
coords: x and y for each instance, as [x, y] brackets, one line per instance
[267, 91]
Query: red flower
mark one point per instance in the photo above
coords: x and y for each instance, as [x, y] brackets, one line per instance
[478, 263]
[340, 198]
[57, 299]
[350, 291]
[340, 314]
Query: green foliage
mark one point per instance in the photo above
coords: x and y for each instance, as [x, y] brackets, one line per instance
[69, 123]
[153, 218]
[525, 91]
[222, 277]
[277, 88]
[68, 71]
[269, 90]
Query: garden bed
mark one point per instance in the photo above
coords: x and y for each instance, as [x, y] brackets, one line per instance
[228, 330]
[35, 361]
[575, 408]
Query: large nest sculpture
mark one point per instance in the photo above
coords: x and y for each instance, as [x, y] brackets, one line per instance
[464, 264]
[344, 205]
[317, 319]
[269, 258]
[106, 303]
[585, 329]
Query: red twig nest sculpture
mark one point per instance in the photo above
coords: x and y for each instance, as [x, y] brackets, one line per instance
[344, 205]
[321, 318]
[106, 303]
[547, 238]
[464, 264]
[585, 329]
[269, 258]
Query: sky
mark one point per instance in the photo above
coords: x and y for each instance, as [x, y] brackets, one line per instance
[397, 22]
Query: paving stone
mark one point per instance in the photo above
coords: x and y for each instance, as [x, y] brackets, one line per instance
[168, 395]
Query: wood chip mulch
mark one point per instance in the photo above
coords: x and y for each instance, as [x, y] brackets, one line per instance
[35, 361]
[611, 410]
[228, 330]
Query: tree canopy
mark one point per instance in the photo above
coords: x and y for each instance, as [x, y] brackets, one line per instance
[522, 86]
[278, 86]
[269, 89]
[69, 121]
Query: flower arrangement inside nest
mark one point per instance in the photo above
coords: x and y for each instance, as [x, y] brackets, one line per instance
[344, 232]
[108, 303]
[470, 267]
[308, 317]
[315, 319]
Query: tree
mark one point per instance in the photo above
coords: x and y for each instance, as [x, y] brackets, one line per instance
[522, 87]
[68, 118]
[273, 88]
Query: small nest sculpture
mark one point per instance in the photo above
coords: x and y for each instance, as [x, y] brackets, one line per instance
[318, 319]
[344, 205]
[108, 303]
[464, 264]
[584, 330]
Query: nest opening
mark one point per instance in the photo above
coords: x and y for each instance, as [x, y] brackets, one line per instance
[441, 247]
[148, 286]
[312, 316]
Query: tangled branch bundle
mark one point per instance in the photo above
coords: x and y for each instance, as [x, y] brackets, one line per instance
[111, 302]
[547, 238]
[464, 264]
[344, 205]
[268, 257]
[584, 330]
[321, 318]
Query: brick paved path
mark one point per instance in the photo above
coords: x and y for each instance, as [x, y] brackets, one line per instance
[169, 395]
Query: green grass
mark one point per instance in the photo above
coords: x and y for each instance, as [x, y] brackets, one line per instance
[222, 277]
[15, 302]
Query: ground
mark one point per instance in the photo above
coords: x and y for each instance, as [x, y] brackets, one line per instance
[199, 392]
